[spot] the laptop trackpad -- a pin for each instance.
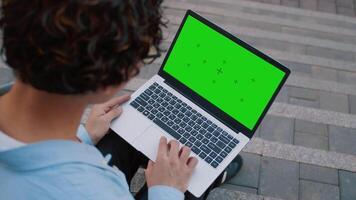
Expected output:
(148, 142)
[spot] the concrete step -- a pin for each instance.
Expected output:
(207, 9)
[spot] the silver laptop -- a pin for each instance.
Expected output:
(210, 94)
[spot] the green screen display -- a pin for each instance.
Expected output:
(227, 75)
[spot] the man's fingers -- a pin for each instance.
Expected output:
(192, 162)
(116, 101)
(174, 150)
(184, 154)
(149, 167)
(162, 148)
(112, 114)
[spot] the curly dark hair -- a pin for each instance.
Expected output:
(78, 46)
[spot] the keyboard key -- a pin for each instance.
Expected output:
(171, 117)
(175, 127)
(167, 129)
(224, 133)
(219, 129)
(214, 126)
(144, 96)
(197, 143)
(183, 140)
(214, 164)
(151, 101)
(177, 120)
(186, 135)
(205, 149)
(200, 137)
(228, 149)
(232, 144)
(205, 125)
(148, 92)
(189, 144)
(150, 116)
(214, 147)
(208, 135)
(140, 109)
(156, 105)
(224, 139)
(181, 131)
(134, 104)
(202, 155)
(164, 119)
(186, 119)
(192, 139)
(164, 104)
(175, 111)
(202, 131)
(182, 124)
(214, 139)
(236, 141)
(208, 159)
(220, 144)
(155, 96)
(230, 137)
(210, 129)
(196, 150)
(219, 159)
(193, 117)
(223, 154)
(213, 154)
(194, 132)
(149, 107)
(216, 134)
(205, 141)
(141, 101)
(199, 121)
(170, 123)
(191, 123)
(188, 128)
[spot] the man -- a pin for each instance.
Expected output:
(66, 55)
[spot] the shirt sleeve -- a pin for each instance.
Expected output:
(83, 135)
(161, 192)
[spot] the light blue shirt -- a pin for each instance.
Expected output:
(62, 169)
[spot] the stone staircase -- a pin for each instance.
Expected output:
(305, 147)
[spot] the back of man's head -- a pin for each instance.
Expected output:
(78, 46)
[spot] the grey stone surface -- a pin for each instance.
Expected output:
(309, 4)
(318, 191)
(334, 102)
(250, 171)
(279, 178)
(290, 3)
(239, 188)
(226, 194)
(313, 115)
(305, 155)
(342, 140)
(345, 3)
(304, 102)
(277, 129)
(330, 53)
(352, 100)
(283, 95)
(319, 174)
(348, 11)
(311, 127)
(303, 93)
(325, 6)
(324, 73)
(347, 185)
(347, 77)
(297, 67)
(311, 141)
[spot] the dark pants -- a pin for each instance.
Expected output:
(128, 160)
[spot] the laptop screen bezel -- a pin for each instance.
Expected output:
(201, 101)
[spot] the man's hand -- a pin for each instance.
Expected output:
(101, 116)
(173, 166)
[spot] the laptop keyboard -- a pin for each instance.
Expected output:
(189, 127)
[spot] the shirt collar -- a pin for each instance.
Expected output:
(50, 153)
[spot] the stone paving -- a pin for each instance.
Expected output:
(305, 147)
(342, 7)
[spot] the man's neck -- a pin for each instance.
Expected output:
(30, 115)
